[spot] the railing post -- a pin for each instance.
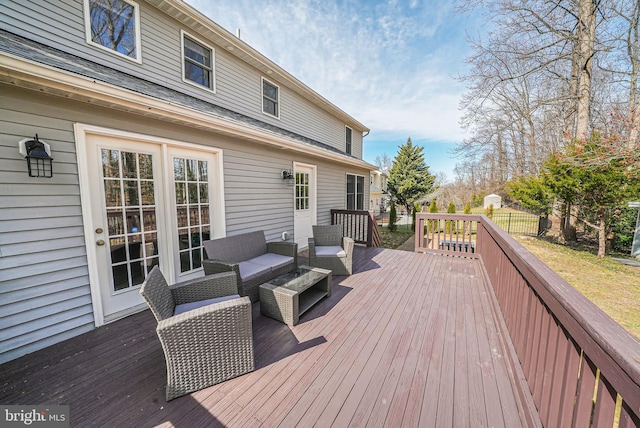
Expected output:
(370, 220)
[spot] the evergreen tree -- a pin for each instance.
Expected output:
(409, 177)
(579, 177)
(433, 209)
(451, 209)
(393, 217)
(595, 187)
(489, 211)
(416, 209)
(532, 192)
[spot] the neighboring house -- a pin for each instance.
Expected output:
(165, 130)
(379, 199)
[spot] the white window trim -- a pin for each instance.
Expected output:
(262, 80)
(350, 151)
(213, 62)
(346, 202)
(87, 31)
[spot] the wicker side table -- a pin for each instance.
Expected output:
(288, 296)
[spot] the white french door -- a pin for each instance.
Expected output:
(146, 202)
(304, 203)
(191, 196)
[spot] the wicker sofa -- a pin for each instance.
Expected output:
(205, 329)
(253, 260)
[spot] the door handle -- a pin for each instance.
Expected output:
(99, 242)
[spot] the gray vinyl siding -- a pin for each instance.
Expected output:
(332, 193)
(60, 23)
(45, 295)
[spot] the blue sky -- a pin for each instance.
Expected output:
(389, 64)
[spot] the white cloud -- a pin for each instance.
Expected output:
(388, 64)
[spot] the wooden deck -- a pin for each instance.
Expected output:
(408, 340)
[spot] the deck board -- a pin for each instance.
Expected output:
(409, 339)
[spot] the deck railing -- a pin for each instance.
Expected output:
(582, 368)
(361, 226)
(446, 234)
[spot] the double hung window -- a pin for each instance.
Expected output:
(347, 138)
(198, 62)
(114, 25)
(270, 98)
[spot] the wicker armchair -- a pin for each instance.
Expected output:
(204, 328)
(329, 249)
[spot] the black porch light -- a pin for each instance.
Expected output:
(38, 156)
(288, 176)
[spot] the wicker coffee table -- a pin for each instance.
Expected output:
(288, 296)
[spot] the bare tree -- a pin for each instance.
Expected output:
(383, 162)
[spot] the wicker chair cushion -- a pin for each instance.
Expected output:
(273, 260)
(195, 305)
(249, 270)
(330, 251)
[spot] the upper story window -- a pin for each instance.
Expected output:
(270, 98)
(114, 25)
(347, 138)
(355, 192)
(198, 62)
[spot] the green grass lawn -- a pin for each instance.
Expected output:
(612, 286)
(396, 238)
(518, 222)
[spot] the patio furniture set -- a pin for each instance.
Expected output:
(205, 324)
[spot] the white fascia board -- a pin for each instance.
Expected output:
(30, 74)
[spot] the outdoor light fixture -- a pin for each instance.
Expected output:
(288, 175)
(38, 155)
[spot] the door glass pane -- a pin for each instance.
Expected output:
(112, 193)
(181, 193)
(110, 163)
(192, 209)
(146, 166)
(204, 173)
(146, 190)
(204, 193)
(302, 191)
(129, 165)
(178, 169)
(131, 192)
(131, 216)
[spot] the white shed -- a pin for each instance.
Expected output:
(494, 199)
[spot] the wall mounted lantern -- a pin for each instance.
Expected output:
(38, 155)
(288, 176)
